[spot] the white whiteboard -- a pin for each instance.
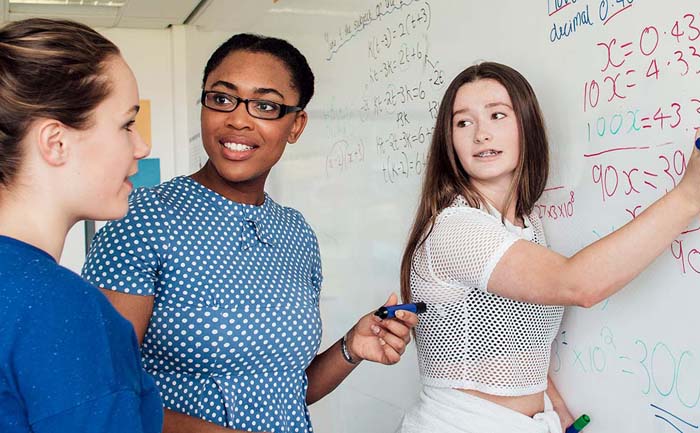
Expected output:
(633, 362)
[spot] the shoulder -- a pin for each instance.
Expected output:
(289, 227)
(290, 217)
(33, 282)
(535, 220)
(54, 307)
(465, 228)
(57, 296)
(67, 324)
(149, 214)
(538, 229)
(160, 197)
(461, 213)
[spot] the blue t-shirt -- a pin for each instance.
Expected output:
(235, 318)
(68, 361)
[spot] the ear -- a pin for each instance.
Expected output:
(51, 141)
(297, 127)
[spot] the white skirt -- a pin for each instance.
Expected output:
(447, 410)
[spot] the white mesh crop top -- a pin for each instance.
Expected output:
(469, 338)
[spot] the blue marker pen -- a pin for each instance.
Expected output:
(390, 311)
(697, 143)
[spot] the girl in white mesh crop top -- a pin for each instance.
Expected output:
(477, 257)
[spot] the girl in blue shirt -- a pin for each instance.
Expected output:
(221, 283)
(68, 361)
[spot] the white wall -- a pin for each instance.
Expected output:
(150, 55)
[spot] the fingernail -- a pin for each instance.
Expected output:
(400, 314)
(382, 342)
(375, 329)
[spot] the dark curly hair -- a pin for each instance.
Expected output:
(302, 76)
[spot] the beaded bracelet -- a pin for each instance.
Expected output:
(344, 351)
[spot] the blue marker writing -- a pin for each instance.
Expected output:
(388, 312)
(579, 424)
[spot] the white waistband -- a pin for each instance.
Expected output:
(447, 410)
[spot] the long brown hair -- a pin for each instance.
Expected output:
(51, 69)
(445, 178)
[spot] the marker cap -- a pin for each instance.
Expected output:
(389, 312)
(582, 422)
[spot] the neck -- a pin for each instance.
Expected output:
(497, 195)
(34, 221)
(247, 192)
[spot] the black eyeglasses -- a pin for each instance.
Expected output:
(258, 108)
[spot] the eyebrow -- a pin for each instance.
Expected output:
(135, 109)
(256, 90)
(489, 105)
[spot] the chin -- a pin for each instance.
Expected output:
(111, 213)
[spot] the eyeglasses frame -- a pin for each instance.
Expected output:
(284, 109)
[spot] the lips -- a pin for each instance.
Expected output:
(237, 148)
(237, 143)
(487, 153)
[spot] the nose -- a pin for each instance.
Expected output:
(239, 118)
(482, 135)
(141, 148)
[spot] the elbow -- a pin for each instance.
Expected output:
(585, 297)
(585, 301)
(580, 296)
(581, 288)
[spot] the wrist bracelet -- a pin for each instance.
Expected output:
(344, 351)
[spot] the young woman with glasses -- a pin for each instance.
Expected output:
(68, 361)
(220, 282)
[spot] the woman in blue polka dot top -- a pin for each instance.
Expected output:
(220, 282)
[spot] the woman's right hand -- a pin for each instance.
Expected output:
(689, 186)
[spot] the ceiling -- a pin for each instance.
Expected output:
(224, 15)
(149, 14)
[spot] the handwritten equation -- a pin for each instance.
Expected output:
(336, 40)
(400, 94)
(655, 368)
(655, 53)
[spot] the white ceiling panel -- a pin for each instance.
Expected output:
(264, 16)
(95, 22)
(148, 14)
(258, 16)
(145, 22)
(161, 9)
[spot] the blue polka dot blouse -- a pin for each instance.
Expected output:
(236, 318)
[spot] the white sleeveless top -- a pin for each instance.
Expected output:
(469, 338)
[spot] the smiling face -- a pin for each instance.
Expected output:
(107, 152)
(241, 148)
(485, 134)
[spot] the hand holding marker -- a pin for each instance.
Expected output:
(579, 424)
(388, 312)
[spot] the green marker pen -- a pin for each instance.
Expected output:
(579, 424)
